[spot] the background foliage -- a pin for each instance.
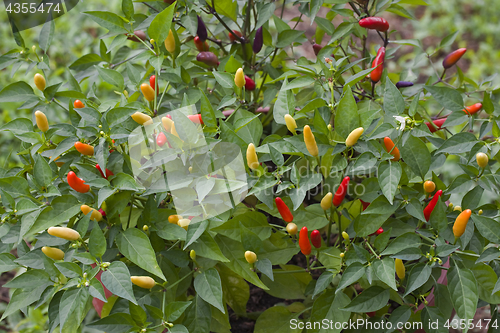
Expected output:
(205, 291)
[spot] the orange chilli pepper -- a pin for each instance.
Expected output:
(389, 145)
(84, 148)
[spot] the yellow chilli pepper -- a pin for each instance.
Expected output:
(64, 233)
(482, 160)
(141, 118)
(310, 141)
(40, 82)
(250, 257)
(252, 159)
(239, 78)
(95, 216)
(170, 42)
(167, 123)
(41, 121)
(291, 228)
(145, 282)
(192, 254)
(354, 136)
(53, 253)
(290, 123)
(184, 223)
(174, 219)
(174, 131)
(148, 92)
(461, 223)
(400, 268)
(326, 202)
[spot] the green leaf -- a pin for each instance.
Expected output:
(15, 186)
(346, 118)
(226, 80)
(60, 210)
(69, 269)
(416, 154)
(374, 216)
(112, 77)
(389, 175)
(438, 218)
(117, 279)
(160, 26)
(394, 103)
(486, 282)
(284, 104)
(351, 275)
(235, 252)
(371, 299)
(198, 316)
(135, 246)
(288, 37)
(385, 271)
(209, 288)
(86, 62)
(22, 298)
(462, 286)
(108, 20)
(47, 35)
(449, 98)
(323, 282)
(115, 323)
(402, 242)
(7, 262)
(487, 227)
(175, 309)
(458, 144)
(227, 8)
(419, 275)
(42, 171)
(287, 285)
(236, 290)
(73, 308)
(16, 92)
(29, 280)
(97, 241)
(276, 319)
(128, 8)
(207, 247)
(329, 306)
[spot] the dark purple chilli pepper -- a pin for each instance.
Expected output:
(258, 41)
(202, 30)
(404, 84)
(208, 58)
(356, 99)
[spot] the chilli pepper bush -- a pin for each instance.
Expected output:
(392, 176)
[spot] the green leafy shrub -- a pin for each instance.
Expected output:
(334, 146)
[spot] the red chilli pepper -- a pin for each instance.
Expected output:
(196, 118)
(378, 65)
(109, 173)
(375, 23)
(438, 123)
(430, 207)
(305, 245)
(77, 183)
(452, 58)
(249, 84)
(341, 191)
(365, 204)
(316, 239)
(152, 82)
(284, 210)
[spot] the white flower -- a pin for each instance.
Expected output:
(402, 122)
